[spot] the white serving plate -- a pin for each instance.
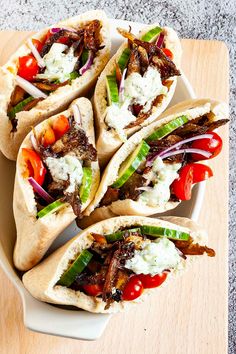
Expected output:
(46, 318)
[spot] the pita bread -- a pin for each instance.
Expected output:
(107, 140)
(57, 100)
(94, 213)
(34, 236)
(41, 281)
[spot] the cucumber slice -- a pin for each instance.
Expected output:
(51, 208)
(119, 234)
(130, 165)
(74, 75)
(86, 184)
(76, 268)
(84, 56)
(19, 107)
(151, 35)
(112, 89)
(167, 128)
(124, 58)
(164, 232)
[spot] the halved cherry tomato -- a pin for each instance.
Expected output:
(93, 289)
(149, 281)
(133, 289)
(38, 45)
(200, 172)
(35, 165)
(188, 175)
(182, 186)
(28, 67)
(213, 145)
(48, 137)
(168, 53)
(60, 126)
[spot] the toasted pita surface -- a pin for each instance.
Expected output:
(41, 281)
(107, 140)
(192, 109)
(57, 100)
(34, 236)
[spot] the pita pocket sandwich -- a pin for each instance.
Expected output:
(47, 72)
(113, 264)
(157, 167)
(57, 175)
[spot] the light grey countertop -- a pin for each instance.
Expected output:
(191, 19)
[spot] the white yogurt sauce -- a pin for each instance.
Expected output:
(154, 257)
(64, 168)
(58, 64)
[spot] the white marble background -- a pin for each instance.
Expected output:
(192, 19)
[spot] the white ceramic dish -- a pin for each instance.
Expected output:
(42, 317)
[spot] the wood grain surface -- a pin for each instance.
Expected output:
(189, 316)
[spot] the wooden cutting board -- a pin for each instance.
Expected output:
(189, 316)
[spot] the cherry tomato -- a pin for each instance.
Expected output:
(60, 126)
(28, 67)
(93, 289)
(168, 53)
(182, 186)
(133, 288)
(213, 145)
(38, 45)
(48, 137)
(149, 281)
(200, 172)
(35, 165)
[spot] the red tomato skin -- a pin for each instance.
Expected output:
(93, 289)
(149, 281)
(48, 137)
(28, 67)
(35, 165)
(182, 186)
(133, 289)
(61, 126)
(168, 53)
(38, 44)
(201, 172)
(213, 145)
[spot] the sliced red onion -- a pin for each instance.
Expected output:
(88, 63)
(76, 113)
(185, 141)
(36, 54)
(34, 142)
(160, 40)
(29, 88)
(58, 29)
(40, 191)
(187, 151)
(122, 86)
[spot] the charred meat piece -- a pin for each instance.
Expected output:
(75, 140)
(55, 189)
(74, 200)
(17, 96)
(214, 125)
(48, 86)
(134, 63)
(144, 61)
(72, 36)
(165, 66)
(92, 36)
(123, 252)
(130, 190)
(190, 248)
(111, 195)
